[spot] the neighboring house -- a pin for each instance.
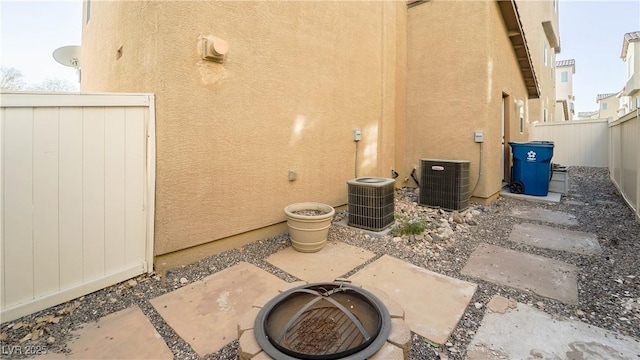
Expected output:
(564, 89)
(608, 105)
(540, 24)
(631, 56)
(588, 115)
(298, 78)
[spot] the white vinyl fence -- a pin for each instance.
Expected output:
(77, 193)
(576, 143)
(624, 135)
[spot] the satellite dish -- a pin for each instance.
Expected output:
(68, 56)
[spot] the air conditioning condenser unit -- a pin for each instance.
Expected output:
(371, 202)
(444, 183)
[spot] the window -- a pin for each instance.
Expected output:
(604, 106)
(545, 53)
(544, 115)
(564, 76)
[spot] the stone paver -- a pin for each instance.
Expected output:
(126, 334)
(333, 261)
(248, 346)
(500, 304)
(553, 238)
(248, 320)
(433, 303)
(262, 356)
(546, 277)
(395, 310)
(554, 217)
(388, 352)
(206, 313)
(528, 333)
(551, 197)
(400, 336)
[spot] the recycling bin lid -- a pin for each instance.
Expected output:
(532, 143)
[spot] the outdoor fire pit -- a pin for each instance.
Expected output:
(327, 320)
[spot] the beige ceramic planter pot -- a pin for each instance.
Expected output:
(309, 224)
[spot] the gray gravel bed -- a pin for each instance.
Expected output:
(608, 283)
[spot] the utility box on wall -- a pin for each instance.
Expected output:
(444, 183)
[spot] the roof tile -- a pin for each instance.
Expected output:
(632, 36)
(568, 62)
(628, 38)
(604, 96)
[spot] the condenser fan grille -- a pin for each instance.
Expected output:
(371, 204)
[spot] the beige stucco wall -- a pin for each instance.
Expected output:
(298, 78)
(532, 14)
(559, 116)
(475, 53)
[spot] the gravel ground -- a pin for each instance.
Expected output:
(608, 283)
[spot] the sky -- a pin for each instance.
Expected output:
(591, 32)
(29, 33)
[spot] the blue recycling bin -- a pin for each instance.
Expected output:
(531, 171)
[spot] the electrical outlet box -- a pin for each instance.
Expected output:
(357, 135)
(478, 136)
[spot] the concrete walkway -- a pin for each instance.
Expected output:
(546, 277)
(524, 332)
(207, 314)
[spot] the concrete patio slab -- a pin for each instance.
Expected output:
(206, 313)
(546, 277)
(126, 334)
(333, 261)
(552, 197)
(433, 303)
(554, 217)
(553, 238)
(528, 333)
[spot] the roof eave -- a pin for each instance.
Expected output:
(552, 35)
(512, 21)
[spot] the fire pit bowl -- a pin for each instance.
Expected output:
(329, 320)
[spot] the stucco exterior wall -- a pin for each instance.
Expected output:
(532, 15)
(298, 78)
(475, 53)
